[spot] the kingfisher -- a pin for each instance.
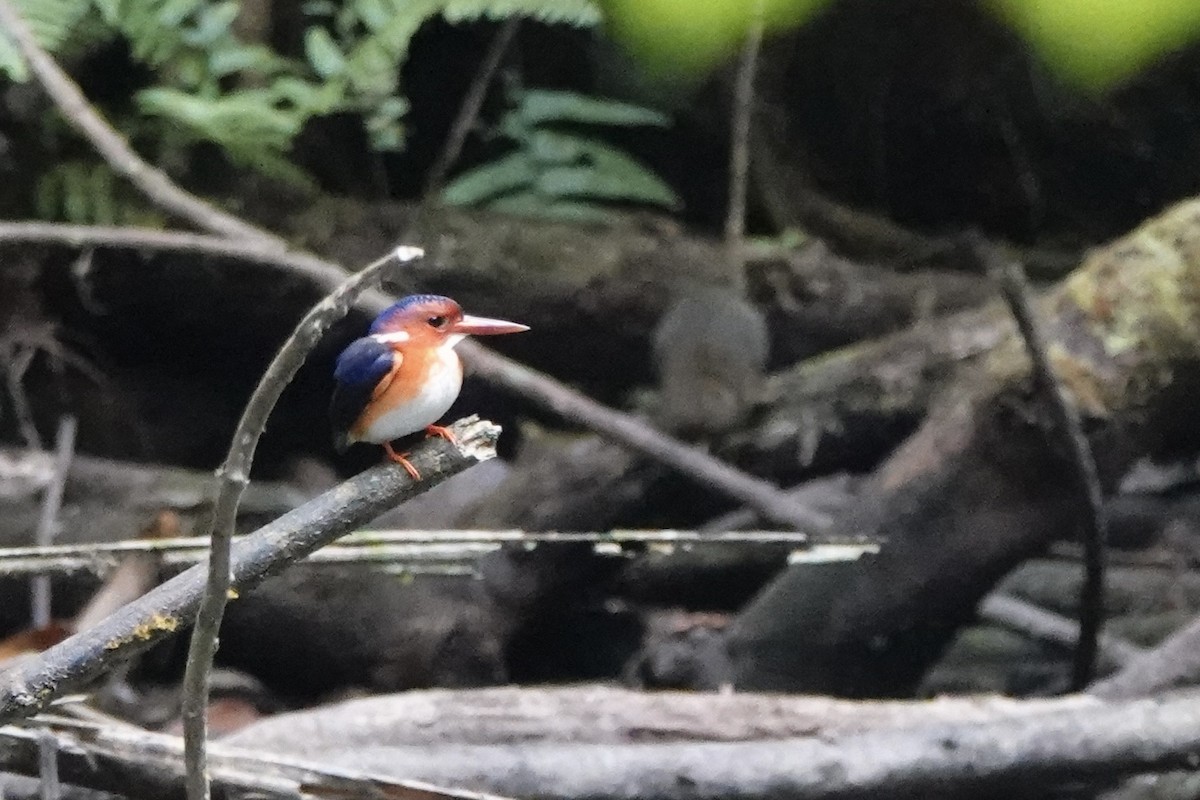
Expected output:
(404, 374)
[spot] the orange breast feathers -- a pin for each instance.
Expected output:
(420, 387)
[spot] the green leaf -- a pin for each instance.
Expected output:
(50, 21)
(552, 148)
(580, 13)
(12, 64)
(232, 57)
(607, 174)
(541, 106)
(487, 181)
(213, 23)
(532, 204)
(375, 14)
(238, 119)
(384, 125)
(252, 128)
(110, 10)
(172, 13)
(323, 53)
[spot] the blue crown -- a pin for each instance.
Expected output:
(402, 305)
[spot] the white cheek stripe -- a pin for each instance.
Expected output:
(395, 337)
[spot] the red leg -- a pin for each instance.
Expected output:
(445, 433)
(402, 460)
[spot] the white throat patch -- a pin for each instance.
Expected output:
(395, 337)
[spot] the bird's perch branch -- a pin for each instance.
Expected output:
(159, 614)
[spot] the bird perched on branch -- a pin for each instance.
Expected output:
(404, 374)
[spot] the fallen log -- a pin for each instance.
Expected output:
(979, 487)
(609, 743)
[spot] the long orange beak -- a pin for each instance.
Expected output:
(482, 326)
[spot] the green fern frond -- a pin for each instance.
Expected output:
(255, 127)
(559, 173)
(51, 22)
(88, 193)
(372, 63)
(488, 181)
(534, 204)
(605, 173)
(542, 106)
(580, 13)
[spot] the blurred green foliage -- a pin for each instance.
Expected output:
(1093, 44)
(252, 102)
(686, 39)
(1097, 44)
(558, 169)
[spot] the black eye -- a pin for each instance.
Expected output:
(437, 322)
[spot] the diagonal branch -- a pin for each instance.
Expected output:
(468, 110)
(159, 614)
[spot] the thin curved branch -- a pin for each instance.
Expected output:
(233, 475)
(1015, 287)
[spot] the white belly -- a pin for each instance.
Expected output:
(425, 408)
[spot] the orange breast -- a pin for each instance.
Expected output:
(418, 390)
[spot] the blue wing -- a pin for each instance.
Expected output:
(359, 369)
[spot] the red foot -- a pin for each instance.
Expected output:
(402, 460)
(445, 433)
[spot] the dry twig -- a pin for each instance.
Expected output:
(412, 550)
(233, 475)
(468, 110)
(64, 450)
(1070, 427)
(1039, 623)
(162, 612)
(955, 747)
(739, 151)
(1175, 661)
